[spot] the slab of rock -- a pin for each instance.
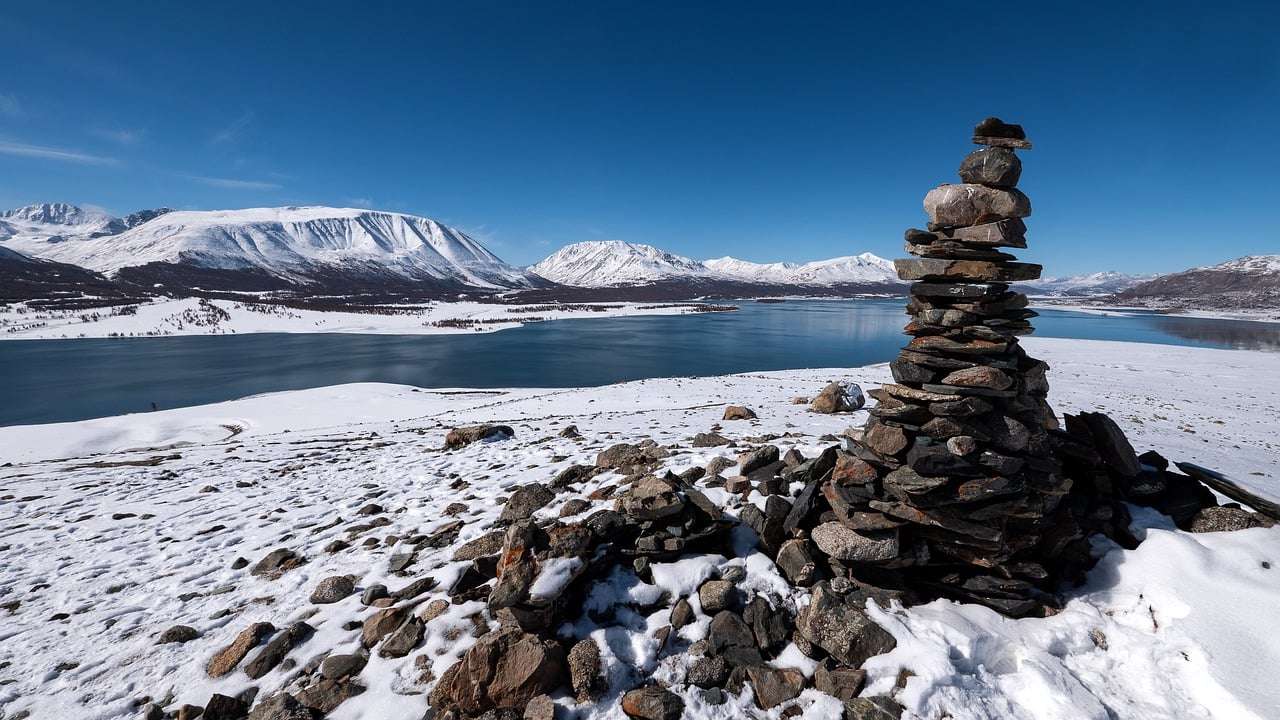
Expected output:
(774, 686)
(841, 683)
(968, 204)
(652, 499)
(228, 657)
(758, 458)
(653, 703)
(270, 656)
(337, 667)
(796, 562)
(277, 562)
(403, 639)
(333, 589)
(525, 501)
(504, 670)
(843, 543)
(380, 624)
(842, 628)
(483, 546)
(463, 436)
(939, 269)
(224, 707)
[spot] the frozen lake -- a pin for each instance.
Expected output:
(58, 380)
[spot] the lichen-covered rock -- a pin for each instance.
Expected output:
(653, 703)
(505, 669)
(842, 629)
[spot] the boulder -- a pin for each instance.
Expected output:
(774, 686)
(838, 397)
(738, 412)
(276, 563)
(969, 204)
(584, 670)
(716, 595)
(274, 652)
(281, 706)
(653, 703)
(525, 501)
(651, 499)
(836, 625)
(178, 634)
(1225, 519)
(992, 166)
(463, 436)
(758, 458)
(504, 670)
(796, 562)
(332, 589)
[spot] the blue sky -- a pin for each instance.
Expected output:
(789, 131)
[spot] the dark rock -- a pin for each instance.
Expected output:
(505, 669)
(178, 634)
(995, 127)
(716, 595)
(380, 624)
(373, 593)
(525, 501)
(281, 706)
(326, 695)
(651, 499)
(969, 204)
(732, 639)
(333, 589)
(841, 683)
(771, 628)
(941, 269)
(774, 686)
(270, 656)
(795, 559)
(487, 544)
(584, 670)
(338, 667)
(277, 562)
(705, 440)
(224, 707)
(652, 703)
(993, 166)
(1111, 443)
(403, 640)
(228, 657)
(832, 623)
(463, 436)
(708, 671)
(758, 458)
(872, 708)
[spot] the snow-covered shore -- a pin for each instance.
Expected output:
(190, 316)
(1260, 315)
(129, 525)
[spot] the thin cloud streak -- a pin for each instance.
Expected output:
(120, 137)
(53, 153)
(233, 183)
(232, 132)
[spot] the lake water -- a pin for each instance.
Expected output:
(56, 380)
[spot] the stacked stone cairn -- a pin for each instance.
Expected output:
(955, 488)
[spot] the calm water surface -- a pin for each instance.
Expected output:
(56, 380)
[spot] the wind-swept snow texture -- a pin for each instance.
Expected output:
(110, 537)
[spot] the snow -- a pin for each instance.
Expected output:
(604, 263)
(612, 262)
(863, 268)
(1185, 625)
(191, 316)
(289, 242)
(1098, 283)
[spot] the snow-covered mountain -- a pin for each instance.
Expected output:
(614, 263)
(1099, 283)
(1248, 279)
(302, 246)
(607, 263)
(864, 268)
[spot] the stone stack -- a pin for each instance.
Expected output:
(955, 488)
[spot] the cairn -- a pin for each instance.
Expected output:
(955, 483)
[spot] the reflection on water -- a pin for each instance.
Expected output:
(54, 380)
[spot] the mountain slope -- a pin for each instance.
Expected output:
(1250, 274)
(864, 268)
(318, 248)
(51, 283)
(607, 263)
(1099, 283)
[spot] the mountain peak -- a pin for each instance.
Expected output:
(57, 213)
(603, 263)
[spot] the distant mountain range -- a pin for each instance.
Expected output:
(58, 251)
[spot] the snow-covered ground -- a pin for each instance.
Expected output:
(191, 316)
(113, 530)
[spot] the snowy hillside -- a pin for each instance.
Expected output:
(293, 244)
(1099, 283)
(1250, 282)
(45, 222)
(616, 263)
(864, 268)
(606, 263)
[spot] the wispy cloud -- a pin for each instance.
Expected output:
(9, 106)
(53, 153)
(119, 136)
(234, 183)
(232, 132)
(360, 202)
